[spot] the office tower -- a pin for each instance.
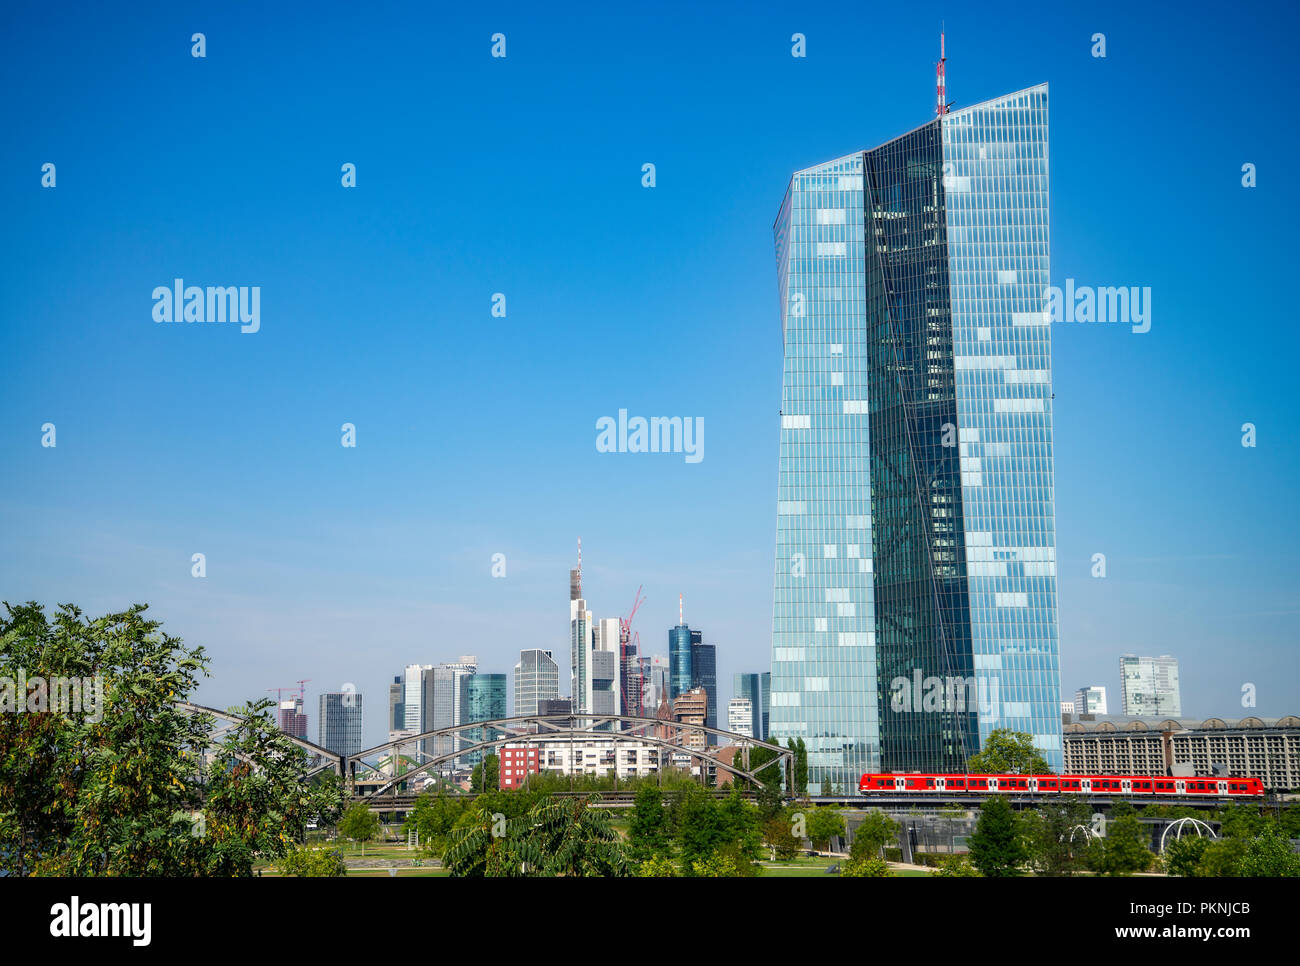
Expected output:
(1067, 707)
(396, 707)
(654, 683)
(606, 681)
(740, 717)
(704, 674)
(291, 717)
(755, 688)
(679, 660)
(555, 706)
(450, 703)
(631, 685)
(581, 637)
(1091, 700)
(1149, 686)
(485, 700)
(691, 707)
(915, 515)
(339, 725)
(537, 677)
(417, 706)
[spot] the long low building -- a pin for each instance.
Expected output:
(626, 757)
(1263, 748)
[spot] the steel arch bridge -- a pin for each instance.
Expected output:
(464, 740)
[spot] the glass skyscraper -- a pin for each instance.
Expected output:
(915, 582)
(485, 700)
(340, 722)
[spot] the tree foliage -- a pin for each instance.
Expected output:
(126, 789)
(1123, 851)
(996, 848)
(557, 837)
(873, 834)
(823, 825)
(1008, 752)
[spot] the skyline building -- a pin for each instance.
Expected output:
(654, 683)
(915, 507)
(756, 688)
(606, 677)
(291, 717)
(396, 707)
(1149, 686)
(1090, 700)
(679, 660)
(581, 638)
(485, 700)
(740, 717)
(339, 724)
(537, 678)
(451, 703)
(704, 674)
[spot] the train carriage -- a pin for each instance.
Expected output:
(1121, 785)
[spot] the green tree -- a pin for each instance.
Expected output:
(1183, 856)
(1238, 820)
(1123, 851)
(956, 866)
(359, 824)
(770, 779)
(125, 786)
(699, 825)
(875, 832)
(557, 837)
(996, 848)
(1008, 752)
(433, 818)
(740, 827)
(657, 867)
(779, 837)
(316, 863)
(823, 825)
(725, 863)
(1222, 859)
(1049, 840)
(1271, 855)
(486, 776)
(1289, 821)
(799, 768)
(649, 832)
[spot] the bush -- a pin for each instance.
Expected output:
(866, 869)
(954, 866)
(657, 867)
(315, 863)
(893, 854)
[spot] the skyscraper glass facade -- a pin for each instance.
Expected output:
(704, 674)
(485, 700)
(915, 533)
(679, 660)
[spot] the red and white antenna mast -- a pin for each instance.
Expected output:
(680, 619)
(941, 104)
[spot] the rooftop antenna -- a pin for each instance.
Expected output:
(580, 564)
(941, 104)
(680, 619)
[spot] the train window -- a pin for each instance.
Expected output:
(929, 783)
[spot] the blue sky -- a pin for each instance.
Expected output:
(523, 176)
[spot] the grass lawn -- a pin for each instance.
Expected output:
(817, 865)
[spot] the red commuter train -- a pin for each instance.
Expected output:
(1154, 785)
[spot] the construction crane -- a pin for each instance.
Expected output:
(628, 647)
